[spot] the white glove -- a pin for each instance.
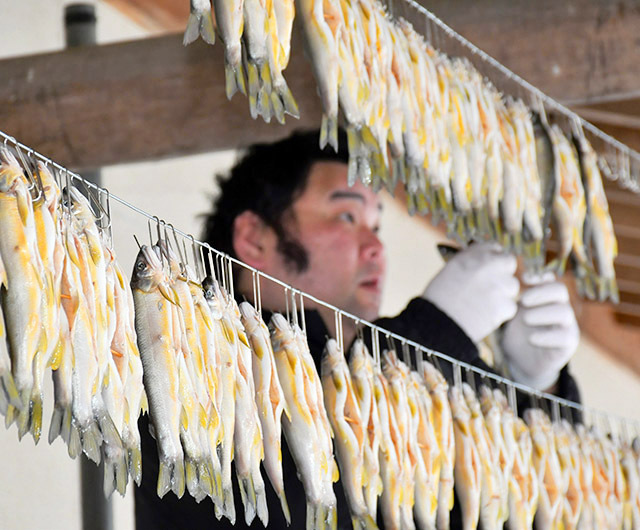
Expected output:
(477, 289)
(544, 334)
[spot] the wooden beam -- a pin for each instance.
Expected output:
(574, 51)
(158, 16)
(147, 99)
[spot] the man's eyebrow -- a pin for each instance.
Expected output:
(344, 194)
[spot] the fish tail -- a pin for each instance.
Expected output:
(248, 495)
(310, 520)
(23, 417)
(164, 479)
(91, 442)
(329, 132)
(332, 517)
(109, 477)
(363, 522)
(135, 464)
(109, 431)
(320, 517)
(285, 506)
(254, 88)
(608, 288)
(192, 30)
(261, 500)
(230, 78)
(192, 477)
(205, 478)
(74, 445)
(4, 402)
(207, 32)
(10, 389)
(264, 104)
(11, 415)
(121, 474)
(289, 102)
(229, 507)
(55, 427)
(178, 478)
(36, 416)
(277, 107)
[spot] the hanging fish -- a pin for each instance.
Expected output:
(344, 416)
(153, 300)
(598, 231)
(361, 367)
(200, 23)
(300, 429)
(468, 474)
(443, 425)
(229, 21)
(269, 397)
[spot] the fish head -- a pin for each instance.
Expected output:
(11, 174)
(50, 186)
(333, 360)
(281, 331)
(165, 250)
(147, 271)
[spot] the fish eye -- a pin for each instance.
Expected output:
(141, 266)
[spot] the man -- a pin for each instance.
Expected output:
(287, 210)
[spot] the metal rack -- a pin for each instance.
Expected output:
(222, 263)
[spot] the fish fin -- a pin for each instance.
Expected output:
(329, 132)
(363, 522)
(248, 496)
(109, 431)
(144, 403)
(24, 416)
(285, 507)
(178, 478)
(135, 464)
(608, 288)
(74, 446)
(4, 402)
(277, 107)
(207, 31)
(264, 105)
(91, 442)
(253, 80)
(122, 475)
(289, 102)
(229, 507)
(311, 517)
(205, 478)
(184, 418)
(10, 416)
(192, 30)
(10, 389)
(191, 477)
(55, 427)
(108, 477)
(164, 479)
(263, 511)
(56, 356)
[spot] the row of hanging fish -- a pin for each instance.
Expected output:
(256, 36)
(218, 383)
(485, 164)
(65, 305)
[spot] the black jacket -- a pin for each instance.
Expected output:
(421, 322)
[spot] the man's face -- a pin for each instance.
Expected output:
(337, 225)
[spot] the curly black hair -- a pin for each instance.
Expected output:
(266, 181)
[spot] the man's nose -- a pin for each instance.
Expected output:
(372, 247)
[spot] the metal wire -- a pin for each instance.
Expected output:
(292, 292)
(619, 154)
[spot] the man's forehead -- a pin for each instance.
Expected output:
(329, 179)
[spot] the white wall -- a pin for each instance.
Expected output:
(39, 486)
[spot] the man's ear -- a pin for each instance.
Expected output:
(250, 235)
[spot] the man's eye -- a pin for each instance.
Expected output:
(348, 217)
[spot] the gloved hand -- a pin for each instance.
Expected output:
(477, 289)
(544, 334)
